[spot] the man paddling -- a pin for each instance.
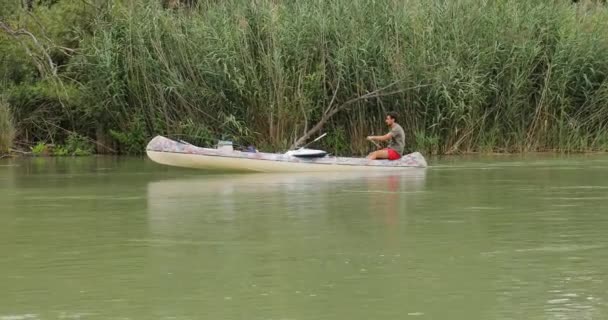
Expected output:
(396, 144)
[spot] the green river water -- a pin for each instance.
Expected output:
(124, 238)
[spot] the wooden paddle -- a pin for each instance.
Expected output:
(315, 140)
(375, 143)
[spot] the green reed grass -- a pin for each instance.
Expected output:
(489, 76)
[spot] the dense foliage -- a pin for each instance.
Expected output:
(465, 75)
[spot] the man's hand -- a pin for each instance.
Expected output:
(370, 138)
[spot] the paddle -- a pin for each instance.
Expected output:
(375, 143)
(315, 140)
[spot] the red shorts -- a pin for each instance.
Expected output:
(392, 154)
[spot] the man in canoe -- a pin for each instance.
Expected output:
(396, 138)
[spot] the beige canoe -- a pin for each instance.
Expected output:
(173, 153)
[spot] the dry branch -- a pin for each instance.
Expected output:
(331, 110)
(22, 32)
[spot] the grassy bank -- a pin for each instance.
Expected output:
(466, 76)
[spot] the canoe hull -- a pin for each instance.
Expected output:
(168, 152)
(247, 165)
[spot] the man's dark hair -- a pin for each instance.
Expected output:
(393, 115)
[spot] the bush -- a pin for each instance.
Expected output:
(78, 145)
(60, 151)
(132, 138)
(468, 75)
(75, 145)
(40, 149)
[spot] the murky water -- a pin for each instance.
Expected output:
(103, 238)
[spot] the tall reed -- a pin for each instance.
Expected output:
(470, 75)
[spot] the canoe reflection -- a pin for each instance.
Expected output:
(178, 203)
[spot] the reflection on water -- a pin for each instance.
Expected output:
(174, 201)
(125, 239)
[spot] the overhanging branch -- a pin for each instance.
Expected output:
(22, 32)
(332, 109)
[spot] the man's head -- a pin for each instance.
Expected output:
(391, 118)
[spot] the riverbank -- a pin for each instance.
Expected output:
(48, 153)
(465, 76)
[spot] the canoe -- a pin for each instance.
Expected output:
(169, 152)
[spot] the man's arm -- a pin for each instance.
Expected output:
(385, 137)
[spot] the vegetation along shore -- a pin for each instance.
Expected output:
(85, 76)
